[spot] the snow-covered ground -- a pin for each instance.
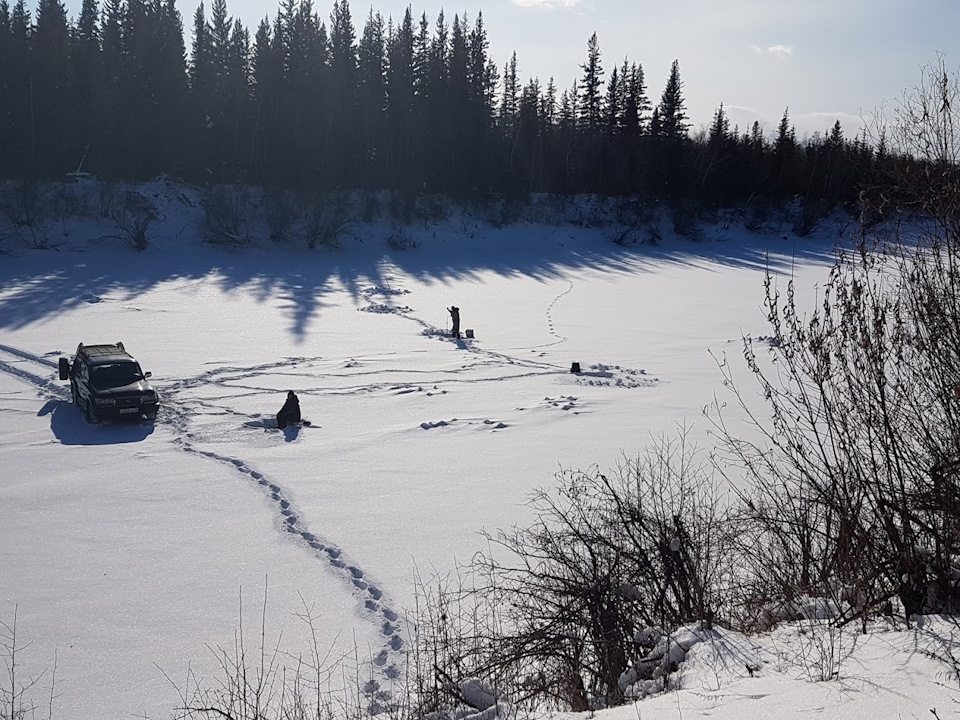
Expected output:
(128, 552)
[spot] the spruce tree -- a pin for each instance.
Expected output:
(53, 144)
(401, 88)
(613, 107)
(719, 134)
(525, 158)
(16, 109)
(87, 82)
(591, 101)
(671, 112)
(635, 103)
(548, 103)
(372, 99)
(342, 150)
(784, 156)
(717, 175)
(510, 96)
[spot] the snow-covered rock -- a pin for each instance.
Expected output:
(483, 702)
(668, 651)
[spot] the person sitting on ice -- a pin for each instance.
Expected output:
(290, 412)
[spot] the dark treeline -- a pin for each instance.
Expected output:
(407, 104)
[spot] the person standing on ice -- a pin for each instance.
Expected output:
(455, 314)
(290, 412)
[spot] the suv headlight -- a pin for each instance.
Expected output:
(148, 398)
(105, 401)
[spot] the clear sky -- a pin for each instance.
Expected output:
(824, 59)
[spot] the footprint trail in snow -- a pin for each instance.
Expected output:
(388, 661)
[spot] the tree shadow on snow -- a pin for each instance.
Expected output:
(43, 283)
(70, 428)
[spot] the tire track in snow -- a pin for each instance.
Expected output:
(389, 660)
(14, 367)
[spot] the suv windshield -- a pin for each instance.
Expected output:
(115, 374)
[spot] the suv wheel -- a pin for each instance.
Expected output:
(93, 417)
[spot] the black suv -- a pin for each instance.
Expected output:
(106, 382)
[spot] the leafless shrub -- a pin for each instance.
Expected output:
(631, 211)
(432, 207)
(940, 645)
(259, 680)
(400, 239)
(109, 199)
(70, 199)
(326, 221)
(402, 205)
(133, 215)
(38, 236)
(626, 235)
(821, 650)
(369, 206)
(281, 213)
(226, 208)
(22, 204)
(550, 612)
(922, 135)
(854, 486)
(810, 214)
(686, 221)
(454, 638)
(18, 694)
(135, 229)
(761, 215)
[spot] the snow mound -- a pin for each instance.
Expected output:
(383, 290)
(383, 309)
(481, 702)
(649, 676)
(613, 376)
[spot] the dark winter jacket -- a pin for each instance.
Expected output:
(290, 412)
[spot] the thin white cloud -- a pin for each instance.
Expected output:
(780, 51)
(820, 123)
(547, 3)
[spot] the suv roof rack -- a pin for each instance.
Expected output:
(103, 351)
